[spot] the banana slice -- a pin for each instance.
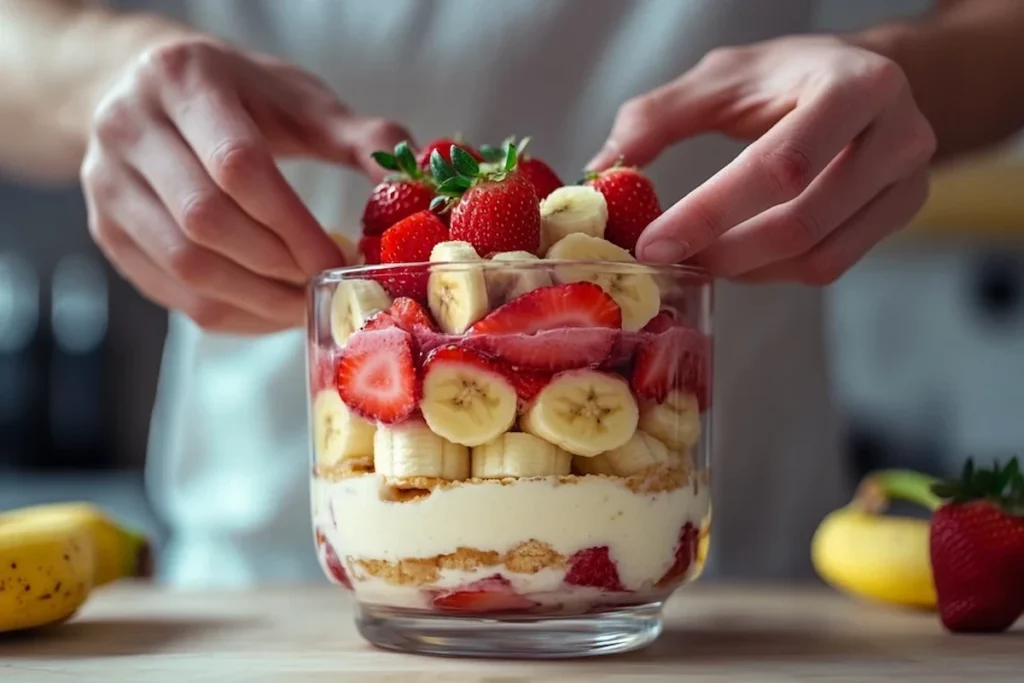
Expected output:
(457, 295)
(675, 421)
(410, 449)
(349, 248)
(338, 434)
(515, 454)
(354, 302)
(505, 284)
(465, 398)
(570, 209)
(585, 412)
(636, 293)
(640, 453)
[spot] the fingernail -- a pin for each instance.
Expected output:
(665, 251)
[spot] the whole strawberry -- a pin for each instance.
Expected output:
(443, 146)
(410, 240)
(977, 549)
(495, 208)
(632, 203)
(541, 176)
(406, 191)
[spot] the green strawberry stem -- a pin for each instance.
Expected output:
(1002, 485)
(455, 178)
(878, 488)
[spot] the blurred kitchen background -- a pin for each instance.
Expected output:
(927, 333)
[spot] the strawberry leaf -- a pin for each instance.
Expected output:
(441, 169)
(406, 160)
(454, 186)
(385, 160)
(492, 154)
(465, 165)
(1003, 485)
(510, 157)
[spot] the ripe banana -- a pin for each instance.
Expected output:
(53, 556)
(410, 449)
(456, 294)
(641, 452)
(634, 290)
(860, 551)
(467, 403)
(339, 435)
(569, 209)
(675, 421)
(584, 412)
(505, 284)
(515, 454)
(354, 302)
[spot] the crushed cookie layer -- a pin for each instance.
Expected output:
(409, 489)
(529, 557)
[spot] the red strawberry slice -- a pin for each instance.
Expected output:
(676, 358)
(333, 563)
(572, 305)
(322, 373)
(493, 594)
(632, 203)
(369, 247)
(686, 553)
(548, 351)
(541, 176)
(411, 316)
(377, 376)
(527, 382)
(594, 567)
(410, 241)
(392, 201)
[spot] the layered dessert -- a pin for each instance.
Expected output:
(516, 425)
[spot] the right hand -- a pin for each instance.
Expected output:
(183, 193)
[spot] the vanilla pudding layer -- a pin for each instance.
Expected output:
(523, 529)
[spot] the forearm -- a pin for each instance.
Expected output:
(57, 57)
(964, 63)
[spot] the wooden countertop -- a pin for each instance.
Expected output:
(138, 634)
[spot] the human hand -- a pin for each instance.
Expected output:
(182, 189)
(839, 159)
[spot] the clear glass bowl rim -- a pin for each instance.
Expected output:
(697, 277)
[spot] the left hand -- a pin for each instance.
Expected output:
(839, 160)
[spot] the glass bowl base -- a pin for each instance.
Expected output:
(615, 631)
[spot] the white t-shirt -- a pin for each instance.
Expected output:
(228, 466)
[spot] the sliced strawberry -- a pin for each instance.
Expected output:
(594, 567)
(686, 552)
(369, 247)
(493, 594)
(676, 358)
(444, 148)
(572, 305)
(528, 383)
(541, 176)
(548, 351)
(322, 373)
(381, 321)
(410, 315)
(333, 563)
(632, 203)
(377, 376)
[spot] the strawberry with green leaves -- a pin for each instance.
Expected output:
(977, 548)
(407, 190)
(541, 176)
(493, 207)
(443, 146)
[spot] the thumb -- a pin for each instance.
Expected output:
(644, 126)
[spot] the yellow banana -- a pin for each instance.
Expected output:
(53, 556)
(884, 558)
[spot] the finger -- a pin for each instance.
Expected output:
(138, 210)
(776, 168)
(239, 161)
(646, 125)
(352, 141)
(207, 216)
(892, 210)
(162, 290)
(900, 142)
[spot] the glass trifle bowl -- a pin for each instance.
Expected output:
(510, 454)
